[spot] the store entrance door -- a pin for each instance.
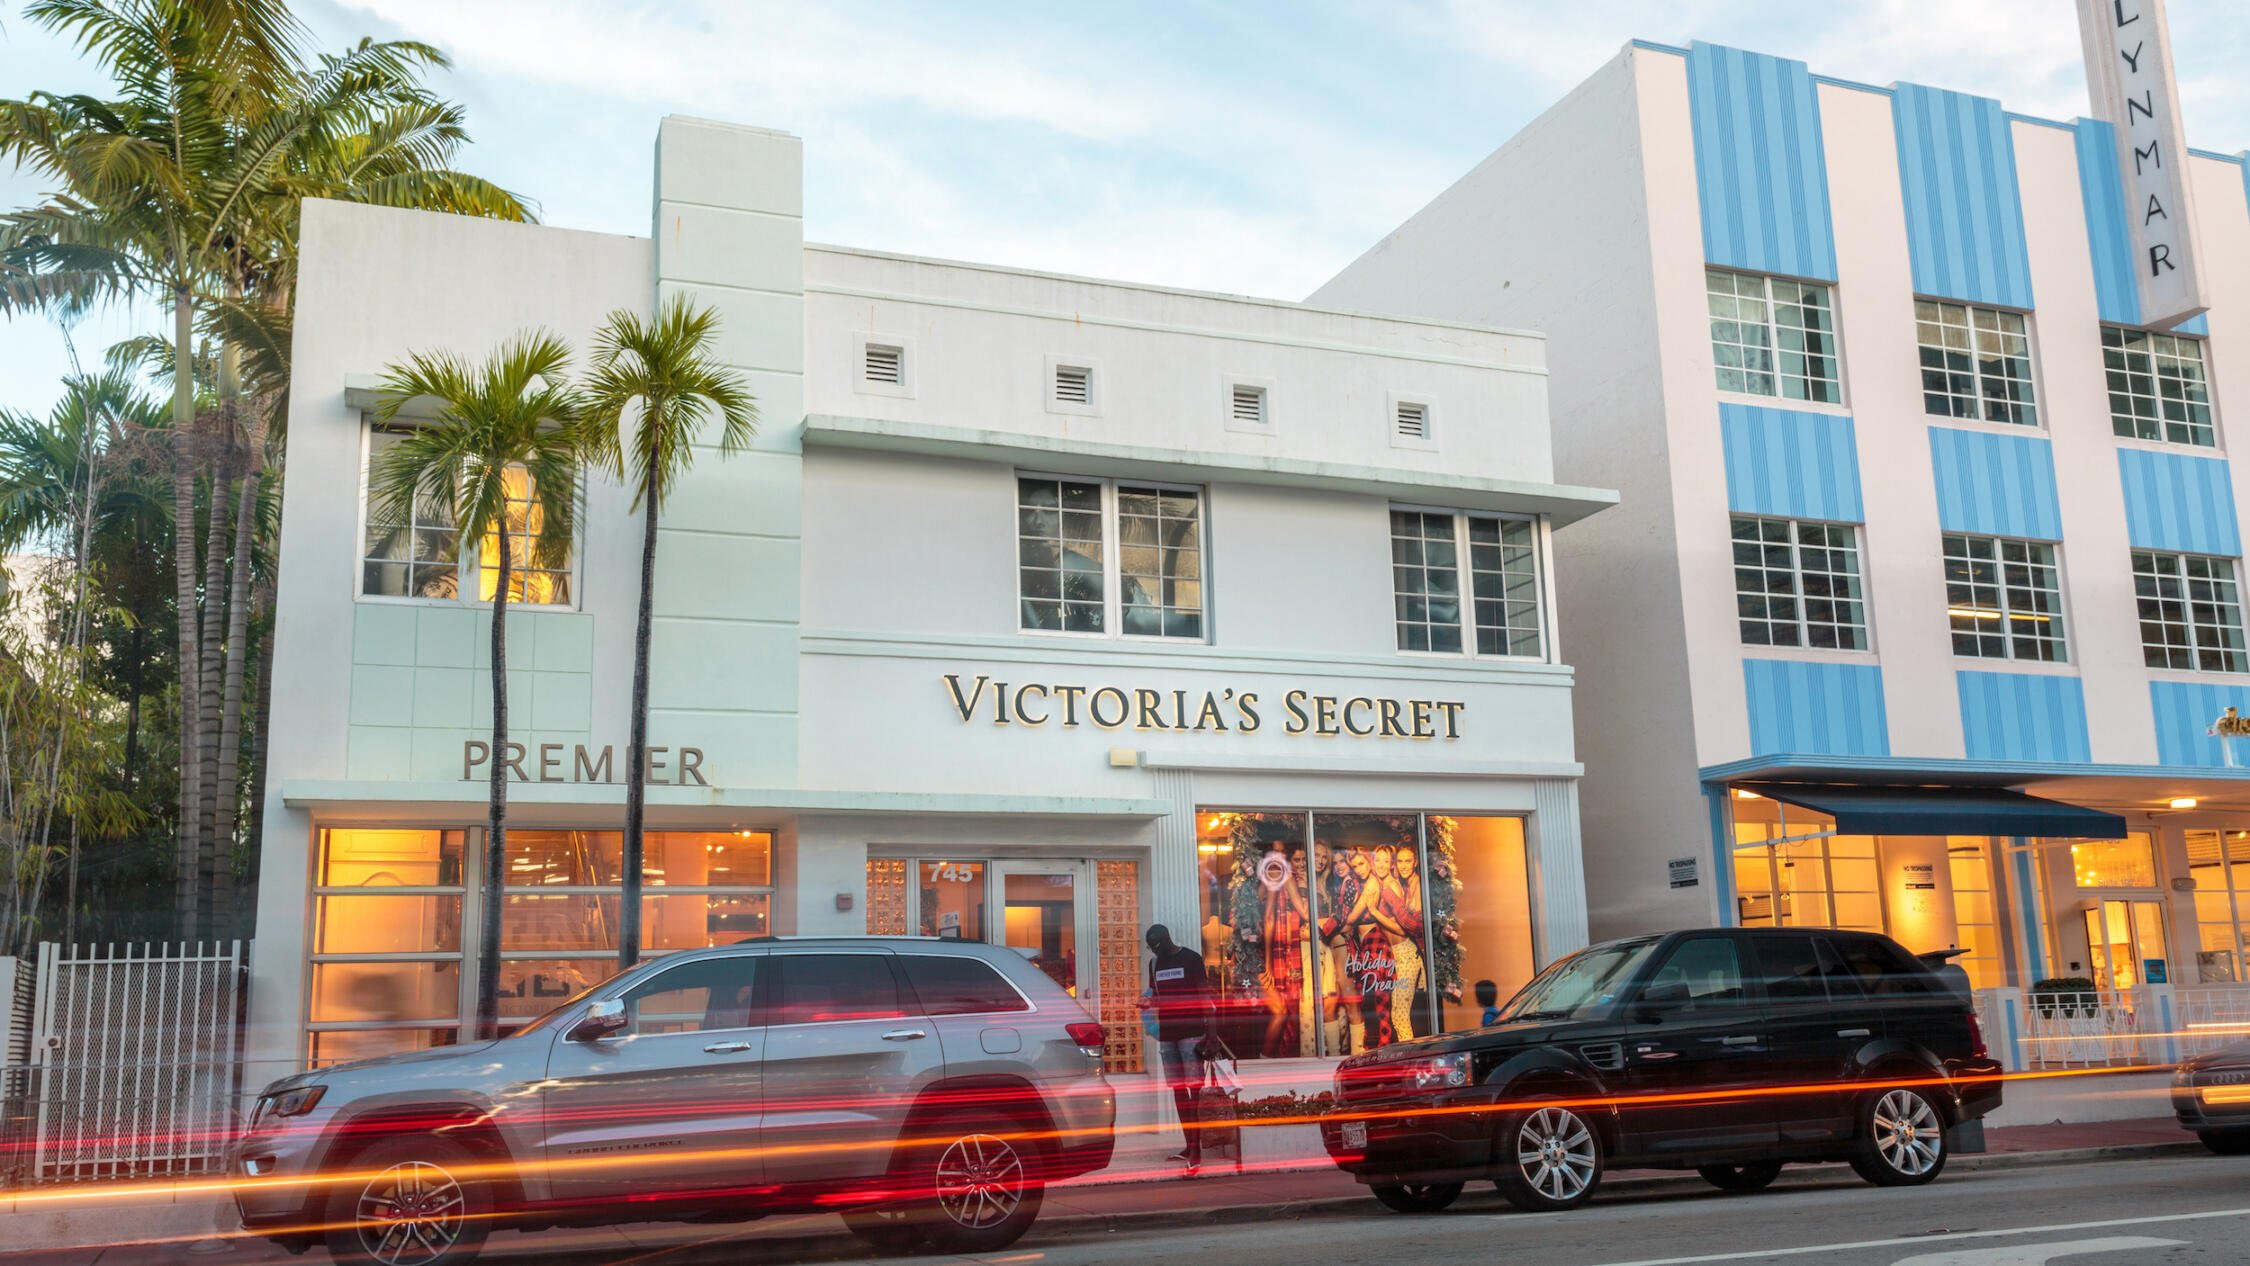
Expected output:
(1046, 915)
(2126, 940)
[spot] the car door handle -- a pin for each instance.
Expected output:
(726, 1048)
(1855, 1032)
(1750, 1040)
(904, 1035)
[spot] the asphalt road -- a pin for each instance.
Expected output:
(2184, 1209)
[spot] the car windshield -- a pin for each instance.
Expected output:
(1579, 984)
(549, 1018)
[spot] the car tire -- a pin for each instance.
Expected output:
(977, 1186)
(1549, 1158)
(888, 1232)
(2226, 1142)
(410, 1202)
(1416, 1197)
(1901, 1139)
(1741, 1180)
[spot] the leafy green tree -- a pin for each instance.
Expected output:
(502, 454)
(655, 385)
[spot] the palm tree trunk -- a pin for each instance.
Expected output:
(496, 821)
(636, 746)
(261, 621)
(207, 675)
(228, 813)
(189, 849)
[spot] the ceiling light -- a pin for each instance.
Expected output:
(2183, 802)
(1742, 793)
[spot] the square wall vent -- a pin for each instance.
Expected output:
(885, 365)
(1074, 384)
(1248, 406)
(1412, 420)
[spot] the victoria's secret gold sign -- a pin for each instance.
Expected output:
(1223, 711)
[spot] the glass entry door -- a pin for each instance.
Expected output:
(1046, 915)
(2126, 938)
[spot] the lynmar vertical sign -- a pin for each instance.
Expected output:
(2129, 74)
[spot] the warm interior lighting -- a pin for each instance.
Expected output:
(1210, 848)
(2183, 802)
(1986, 613)
(1743, 794)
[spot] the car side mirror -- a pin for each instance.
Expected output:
(1658, 999)
(605, 1018)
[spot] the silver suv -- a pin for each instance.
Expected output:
(927, 1089)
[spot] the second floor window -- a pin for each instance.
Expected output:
(1110, 557)
(1772, 337)
(1796, 583)
(414, 556)
(2157, 388)
(2003, 598)
(2191, 612)
(1976, 362)
(1496, 610)
(527, 580)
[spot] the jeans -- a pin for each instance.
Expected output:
(1183, 1071)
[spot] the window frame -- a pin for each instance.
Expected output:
(1773, 348)
(2238, 655)
(2148, 350)
(1982, 398)
(1113, 587)
(1464, 575)
(468, 567)
(1800, 621)
(2060, 615)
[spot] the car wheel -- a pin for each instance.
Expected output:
(2226, 1142)
(1901, 1139)
(979, 1188)
(1550, 1159)
(889, 1232)
(1741, 1179)
(1417, 1197)
(410, 1202)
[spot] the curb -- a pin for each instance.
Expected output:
(1640, 1185)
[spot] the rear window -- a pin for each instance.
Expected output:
(1877, 969)
(959, 986)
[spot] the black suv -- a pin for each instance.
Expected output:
(1725, 1051)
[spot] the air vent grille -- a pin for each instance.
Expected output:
(1607, 1056)
(1250, 406)
(1074, 384)
(885, 365)
(1413, 420)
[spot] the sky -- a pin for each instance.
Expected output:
(1250, 148)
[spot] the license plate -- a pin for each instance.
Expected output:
(1355, 1133)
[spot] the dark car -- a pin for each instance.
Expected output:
(927, 1090)
(1725, 1051)
(2211, 1096)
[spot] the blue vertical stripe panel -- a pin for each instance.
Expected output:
(1995, 485)
(2177, 502)
(1804, 707)
(2023, 717)
(1759, 167)
(2027, 909)
(1964, 217)
(2102, 188)
(1791, 464)
(2184, 713)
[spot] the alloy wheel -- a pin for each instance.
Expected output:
(979, 1180)
(1556, 1153)
(1907, 1133)
(411, 1214)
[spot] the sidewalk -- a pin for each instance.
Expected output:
(1284, 1174)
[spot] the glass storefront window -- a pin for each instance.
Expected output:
(2219, 862)
(952, 899)
(386, 939)
(353, 923)
(2125, 863)
(531, 987)
(1257, 933)
(1372, 924)
(391, 859)
(386, 991)
(1976, 917)
(595, 859)
(588, 921)
(339, 1046)
(1490, 892)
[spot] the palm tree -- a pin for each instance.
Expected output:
(665, 367)
(502, 455)
(185, 188)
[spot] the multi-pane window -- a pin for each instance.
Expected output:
(2003, 598)
(409, 556)
(2157, 388)
(1976, 362)
(1096, 556)
(386, 944)
(1796, 583)
(1498, 614)
(1772, 337)
(528, 579)
(2219, 863)
(2191, 612)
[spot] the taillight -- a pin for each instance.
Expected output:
(1087, 1034)
(1976, 1038)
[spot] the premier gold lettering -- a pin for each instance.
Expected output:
(473, 754)
(545, 762)
(691, 766)
(583, 769)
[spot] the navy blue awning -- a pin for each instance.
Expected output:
(1943, 811)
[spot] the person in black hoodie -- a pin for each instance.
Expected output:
(1180, 994)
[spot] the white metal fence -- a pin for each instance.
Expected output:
(134, 1062)
(2153, 1024)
